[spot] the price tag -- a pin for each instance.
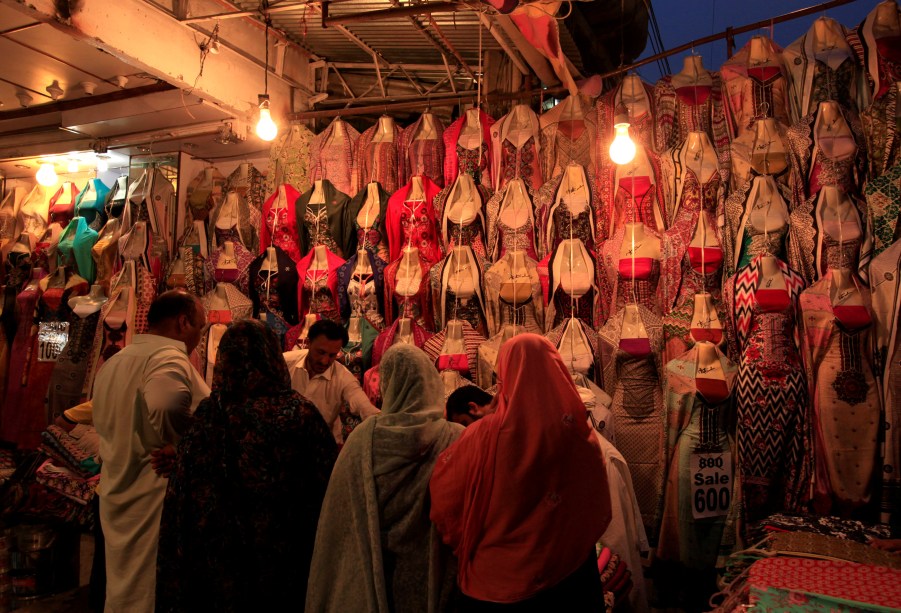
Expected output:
(711, 484)
(52, 337)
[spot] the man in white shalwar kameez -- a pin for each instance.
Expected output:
(144, 399)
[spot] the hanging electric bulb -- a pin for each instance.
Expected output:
(622, 149)
(266, 128)
(72, 167)
(46, 175)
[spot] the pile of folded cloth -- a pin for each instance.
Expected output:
(73, 465)
(616, 578)
(813, 563)
(7, 464)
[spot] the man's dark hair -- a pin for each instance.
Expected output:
(170, 305)
(458, 401)
(329, 329)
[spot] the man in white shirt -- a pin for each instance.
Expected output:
(317, 376)
(144, 400)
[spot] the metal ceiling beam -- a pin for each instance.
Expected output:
(450, 47)
(352, 37)
(59, 60)
(80, 103)
(392, 13)
(494, 30)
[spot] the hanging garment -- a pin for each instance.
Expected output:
(333, 159)
(317, 290)
(205, 192)
(15, 424)
(233, 214)
(515, 139)
(562, 303)
(413, 222)
(565, 210)
(280, 222)
(149, 201)
(878, 57)
(117, 198)
(418, 306)
(234, 268)
(116, 327)
(654, 282)
(885, 285)
(134, 247)
(71, 368)
(34, 212)
(486, 375)
(698, 412)
(692, 108)
(218, 320)
(45, 249)
(363, 295)
(62, 204)
(742, 240)
(192, 254)
(883, 197)
(26, 394)
(424, 156)
(369, 230)
(250, 184)
(625, 197)
(19, 263)
(611, 110)
(379, 161)
(880, 125)
(632, 376)
(74, 248)
(773, 457)
(460, 211)
(274, 292)
(511, 221)
(845, 398)
(457, 290)
(762, 151)
(476, 161)
(686, 194)
(289, 158)
(513, 295)
(91, 203)
(385, 339)
(569, 136)
(756, 87)
(325, 223)
(821, 66)
(467, 363)
(581, 353)
(9, 228)
(356, 355)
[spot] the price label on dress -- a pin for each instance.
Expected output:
(711, 484)
(52, 337)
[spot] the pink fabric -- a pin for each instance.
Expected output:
(518, 523)
(334, 263)
(452, 135)
(393, 227)
(285, 235)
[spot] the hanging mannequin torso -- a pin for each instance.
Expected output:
(320, 258)
(576, 274)
(702, 158)
(637, 243)
(219, 300)
(519, 129)
(518, 288)
(704, 234)
(758, 51)
(574, 348)
(705, 322)
(460, 279)
(364, 266)
(633, 96)
(371, 208)
(842, 231)
(409, 274)
(709, 365)
(428, 129)
(633, 326)
(83, 306)
(385, 131)
(404, 335)
(471, 134)
(693, 73)
(228, 217)
(417, 190)
(318, 196)
(515, 210)
(354, 330)
(453, 340)
(463, 204)
(887, 21)
(771, 277)
(338, 134)
(768, 153)
(270, 263)
(832, 132)
(767, 221)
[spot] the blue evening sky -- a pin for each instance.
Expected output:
(681, 21)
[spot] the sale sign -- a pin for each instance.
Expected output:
(711, 484)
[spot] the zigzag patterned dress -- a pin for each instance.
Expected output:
(771, 393)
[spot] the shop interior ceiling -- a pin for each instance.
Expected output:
(67, 87)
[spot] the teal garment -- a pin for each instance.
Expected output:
(91, 203)
(357, 356)
(754, 243)
(74, 248)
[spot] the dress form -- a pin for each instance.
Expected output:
(709, 365)
(428, 128)
(702, 158)
(385, 131)
(318, 196)
(228, 217)
(692, 73)
(320, 258)
(354, 330)
(886, 21)
(219, 299)
(758, 51)
(417, 189)
(271, 261)
(633, 96)
(338, 134)
(409, 274)
(517, 289)
(638, 243)
(575, 350)
(771, 276)
(364, 266)
(471, 134)
(633, 326)
(88, 304)
(227, 259)
(371, 208)
(768, 153)
(453, 340)
(704, 316)
(576, 272)
(308, 320)
(404, 335)
(832, 132)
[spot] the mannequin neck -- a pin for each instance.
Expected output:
(338, 131)
(410, 256)
(208, 173)
(635, 231)
(271, 261)
(842, 279)
(320, 258)
(703, 304)
(220, 292)
(632, 86)
(404, 328)
(518, 259)
(96, 294)
(245, 169)
(308, 320)
(825, 35)
(417, 189)
(318, 195)
(473, 118)
(765, 129)
(830, 112)
(386, 125)
(693, 67)
(886, 20)
(632, 314)
(769, 265)
(364, 265)
(461, 255)
(372, 193)
(455, 330)
(707, 355)
(697, 142)
(758, 52)
(229, 248)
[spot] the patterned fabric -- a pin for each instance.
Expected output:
(326, 222)
(249, 183)
(417, 307)
(382, 162)
(762, 151)
(449, 277)
(471, 342)
(810, 544)
(68, 378)
(331, 158)
(622, 197)
(477, 162)
(363, 295)
(880, 123)
(560, 336)
(280, 222)
(610, 111)
(413, 222)
(205, 192)
(289, 158)
(67, 483)
(878, 57)
(635, 385)
(370, 231)
(463, 197)
(568, 136)
(503, 284)
(883, 196)
(849, 529)
(515, 139)
(686, 194)
(678, 115)
(773, 423)
(424, 156)
(317, 290)
(512, 202)
(563, 199)
(757, 90)
(249, 483)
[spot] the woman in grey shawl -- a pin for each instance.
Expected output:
(376, 549)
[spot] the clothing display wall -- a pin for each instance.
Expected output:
(733, 288)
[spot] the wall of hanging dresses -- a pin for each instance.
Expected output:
(733, 290)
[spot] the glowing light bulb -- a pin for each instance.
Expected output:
(266, 128)
(72, 167)
(622, 149)
(102, 165)
(46, 175)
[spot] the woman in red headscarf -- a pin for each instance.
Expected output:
(522, 496)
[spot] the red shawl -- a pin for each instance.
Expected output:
(519, 523)
(452, 135)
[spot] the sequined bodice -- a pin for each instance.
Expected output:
(361, 292)
(473, 161)
(572, 150)
(519, 162)
(517, 239)
(841, 255)
(581, 226)
(315, 218)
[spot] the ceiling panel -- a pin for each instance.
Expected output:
(10, 18)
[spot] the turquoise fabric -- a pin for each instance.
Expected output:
(74, 248)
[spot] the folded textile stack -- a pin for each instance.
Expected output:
(77, 450)
(7, 464)
(66, 482)
(615, 576)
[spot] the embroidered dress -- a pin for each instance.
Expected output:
(515, 140)
(457, 290)
(622, 197)
(424, 156)
(511, 221)
(460, 211)
(370, 232)
(693, 108)
(756, 89)
(611, 110)
(251, 186)
(332, 155)
(317, 290)
(475, 161)
(565, 210)
(883, 196)
(880, 126)
(289, 158)
(14, 424)
(878, 57)
(68, 378)
(568, 136)
(274, 292)
(845, 398)
(382, 162)
(513, 296)
(417, 306)
(465, 363)
(771, 392)
(631, 370)
(413, 223)
(205, 192)
(698, 411)
(280, 222)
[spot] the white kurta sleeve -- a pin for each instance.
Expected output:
(168, 396)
